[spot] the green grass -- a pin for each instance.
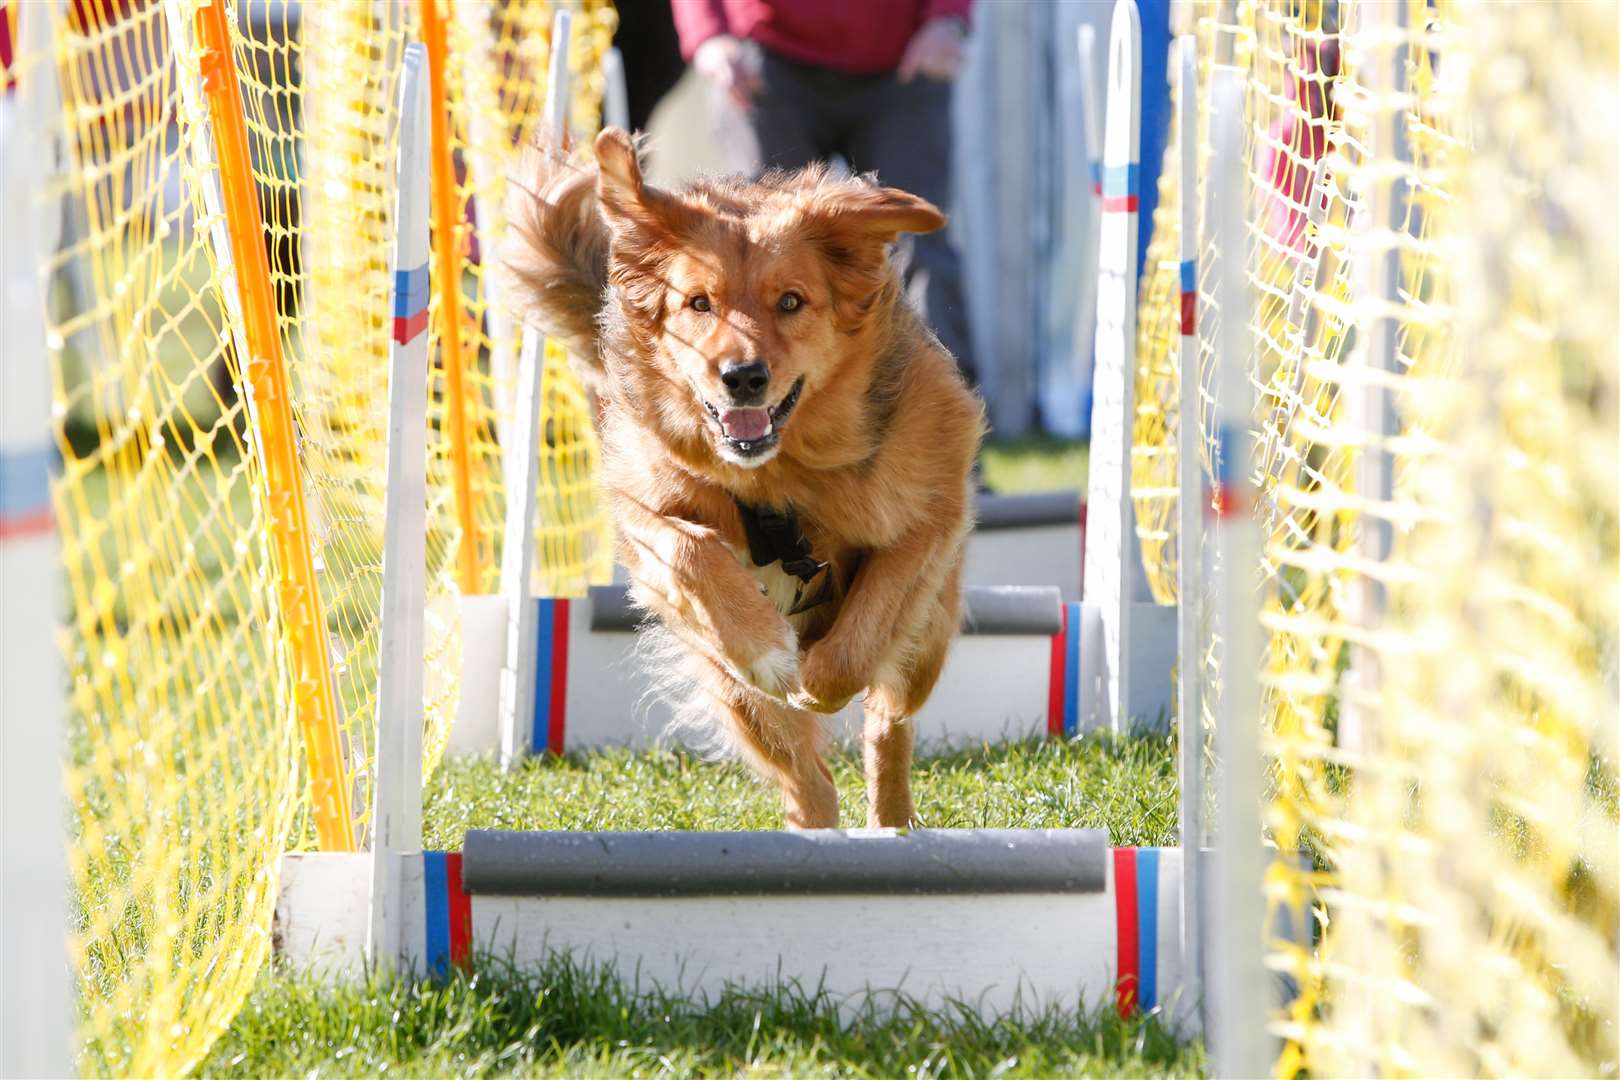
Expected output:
(568, 1020)
(1035, 464)
(573, 1020)
(1127, 786)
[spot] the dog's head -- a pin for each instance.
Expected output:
(750, 299)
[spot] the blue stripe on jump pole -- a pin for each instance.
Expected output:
(544, 635)
(1231, 494)
(1071, 670)
(1096, 178)
(1120, 187)
(1147, 928)
(25, 491)
(25, 479)
(550, 730)
(410, 291)
(436, 909)
(1189, 276)
(1122, 179)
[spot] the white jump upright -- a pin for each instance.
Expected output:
(1189, 510)
(1127, 641)
(1381, 232)
(615, 94)
(1237, 987)
(36, 1022)
(396, 823)
(527, 619)
(1085, 320)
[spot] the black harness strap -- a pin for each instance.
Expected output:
(775, 536)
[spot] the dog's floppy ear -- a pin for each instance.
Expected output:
(853, 224)
(619, 184)
(643, 222)
(628, 202)
(880, 213)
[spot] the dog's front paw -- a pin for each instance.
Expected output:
(775, 672)
(826, 684)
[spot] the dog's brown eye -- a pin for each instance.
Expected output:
(790, 302)
(699, 303)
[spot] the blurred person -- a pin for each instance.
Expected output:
(646, 39)
(865, 80)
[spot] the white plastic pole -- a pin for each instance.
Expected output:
(615, 95)
(1238, 998)
(36, 996)
(558, 90)
(518, 555)
(1190, 528)
(1085, 320)
(1112, 554)
(517, 548)
(488, 141)
(1380, 231)
(397, 810)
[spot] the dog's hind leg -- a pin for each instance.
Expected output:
(902, 685)
(779, 742)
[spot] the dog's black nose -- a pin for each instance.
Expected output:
(746, 381)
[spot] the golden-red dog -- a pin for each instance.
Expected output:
(756, 361)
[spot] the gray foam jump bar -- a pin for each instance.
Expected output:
(1003, 609)
(819, 862)
(1027, 511)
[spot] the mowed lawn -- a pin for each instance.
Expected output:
(573, 1019)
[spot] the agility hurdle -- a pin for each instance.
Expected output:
(1011, 675)
(1037, 539)
(990, 917)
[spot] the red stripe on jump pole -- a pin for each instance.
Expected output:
(17, 526)
(1113, 204)
(460, 905)
(1054, 685)
(406, 330)
(1227, 501)
(1189, 314)
(557, 730)
(1125, 919)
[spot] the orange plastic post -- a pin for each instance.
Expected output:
(271, 414)
(447, 222)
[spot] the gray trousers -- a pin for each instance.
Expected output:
(877, 124)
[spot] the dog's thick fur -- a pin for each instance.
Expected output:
(654, 291)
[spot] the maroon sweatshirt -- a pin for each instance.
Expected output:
(858, 36)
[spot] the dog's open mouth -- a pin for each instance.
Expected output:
(751, 432)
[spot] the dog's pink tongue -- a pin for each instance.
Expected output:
(746, 425)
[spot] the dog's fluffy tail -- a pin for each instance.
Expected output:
(555, 253)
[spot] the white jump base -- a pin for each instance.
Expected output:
(992, 918)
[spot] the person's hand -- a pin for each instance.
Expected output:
(935, 50)
(729, 64)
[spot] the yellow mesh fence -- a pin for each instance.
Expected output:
(1487, 936)
(499, 57)
(187, 775)
(1433, 722)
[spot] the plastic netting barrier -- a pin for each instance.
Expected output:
(187, 775)
(1441, 786)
